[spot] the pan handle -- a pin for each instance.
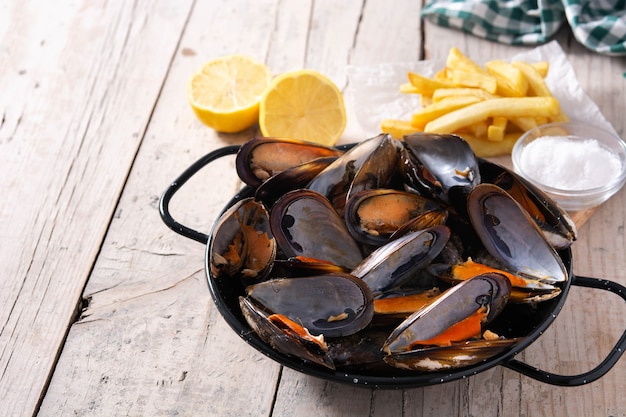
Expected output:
(597, 372)
(167, 195)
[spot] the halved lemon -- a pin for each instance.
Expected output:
(305, 105)
(225, 92)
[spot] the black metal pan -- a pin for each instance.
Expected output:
(225, 297)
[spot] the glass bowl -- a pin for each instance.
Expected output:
(578, 165)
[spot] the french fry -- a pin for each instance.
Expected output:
(537, 85)
(524, 123)
(398, 128)
(488, 149)
(542, 67)
(461, 91)
(536, 82)
(441, 107)
(474, 79)
(489, 106)
(457, 60)
(478, 129)
(511, 81)
(495, 131)
(408, 88)
(426, 86)
(561, 117)
(505, 107)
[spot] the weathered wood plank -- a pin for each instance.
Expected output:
(78, 81)
(164, 348)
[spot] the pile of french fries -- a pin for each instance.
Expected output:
(489, 107)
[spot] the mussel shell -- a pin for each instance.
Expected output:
(511, 236)
(305, 224)
(261, 158)
(430, 218)
(452, 306)
(303, 267)
(455, 356)
(555, 223)
(397, 262)
(438, 163)
(290, 179)
(284, 342)
(403, 305)
(379, 168)
(241, 242)
(332, 304)
(335, 181)
(523, 290)
(372, 216)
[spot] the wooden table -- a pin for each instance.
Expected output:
(104, 311)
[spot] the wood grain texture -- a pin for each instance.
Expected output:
(68, 137)
(95, 125)
(165, 349)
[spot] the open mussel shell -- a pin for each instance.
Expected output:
(556, 225)
(458, 355)
(430, 218)
(440, 163)
(400, 260)
(486, 294)
(377, 156)
(293, 342)
(290, 179)
(241, 242)
(261, 158)
(332, 304)
(379, 168)
(512, 237)
(523, 290)
(305, 224)
(300, 266)
(404, 304)
(372, 216)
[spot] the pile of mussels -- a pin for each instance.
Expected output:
(390, 253)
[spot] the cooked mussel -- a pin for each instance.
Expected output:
(379, 168)
(555, 223)
(305, 224)
(440, 358)
(290, 179)
(442, 165)
(369, 164)
(241, 242)
(400, 260)
(512, 237)
(332, 304)
(373, 216)
(459, 313)
(285, 335)
(260, 158)
(523, 289)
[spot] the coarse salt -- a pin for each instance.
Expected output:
(570, 163)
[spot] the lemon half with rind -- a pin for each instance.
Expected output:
(303, 104)
(225, 93)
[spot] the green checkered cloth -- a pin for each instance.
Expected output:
(600, 25)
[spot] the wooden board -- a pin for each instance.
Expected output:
(79, 81)
(110, 312)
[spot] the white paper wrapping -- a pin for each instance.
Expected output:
(374, 91)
